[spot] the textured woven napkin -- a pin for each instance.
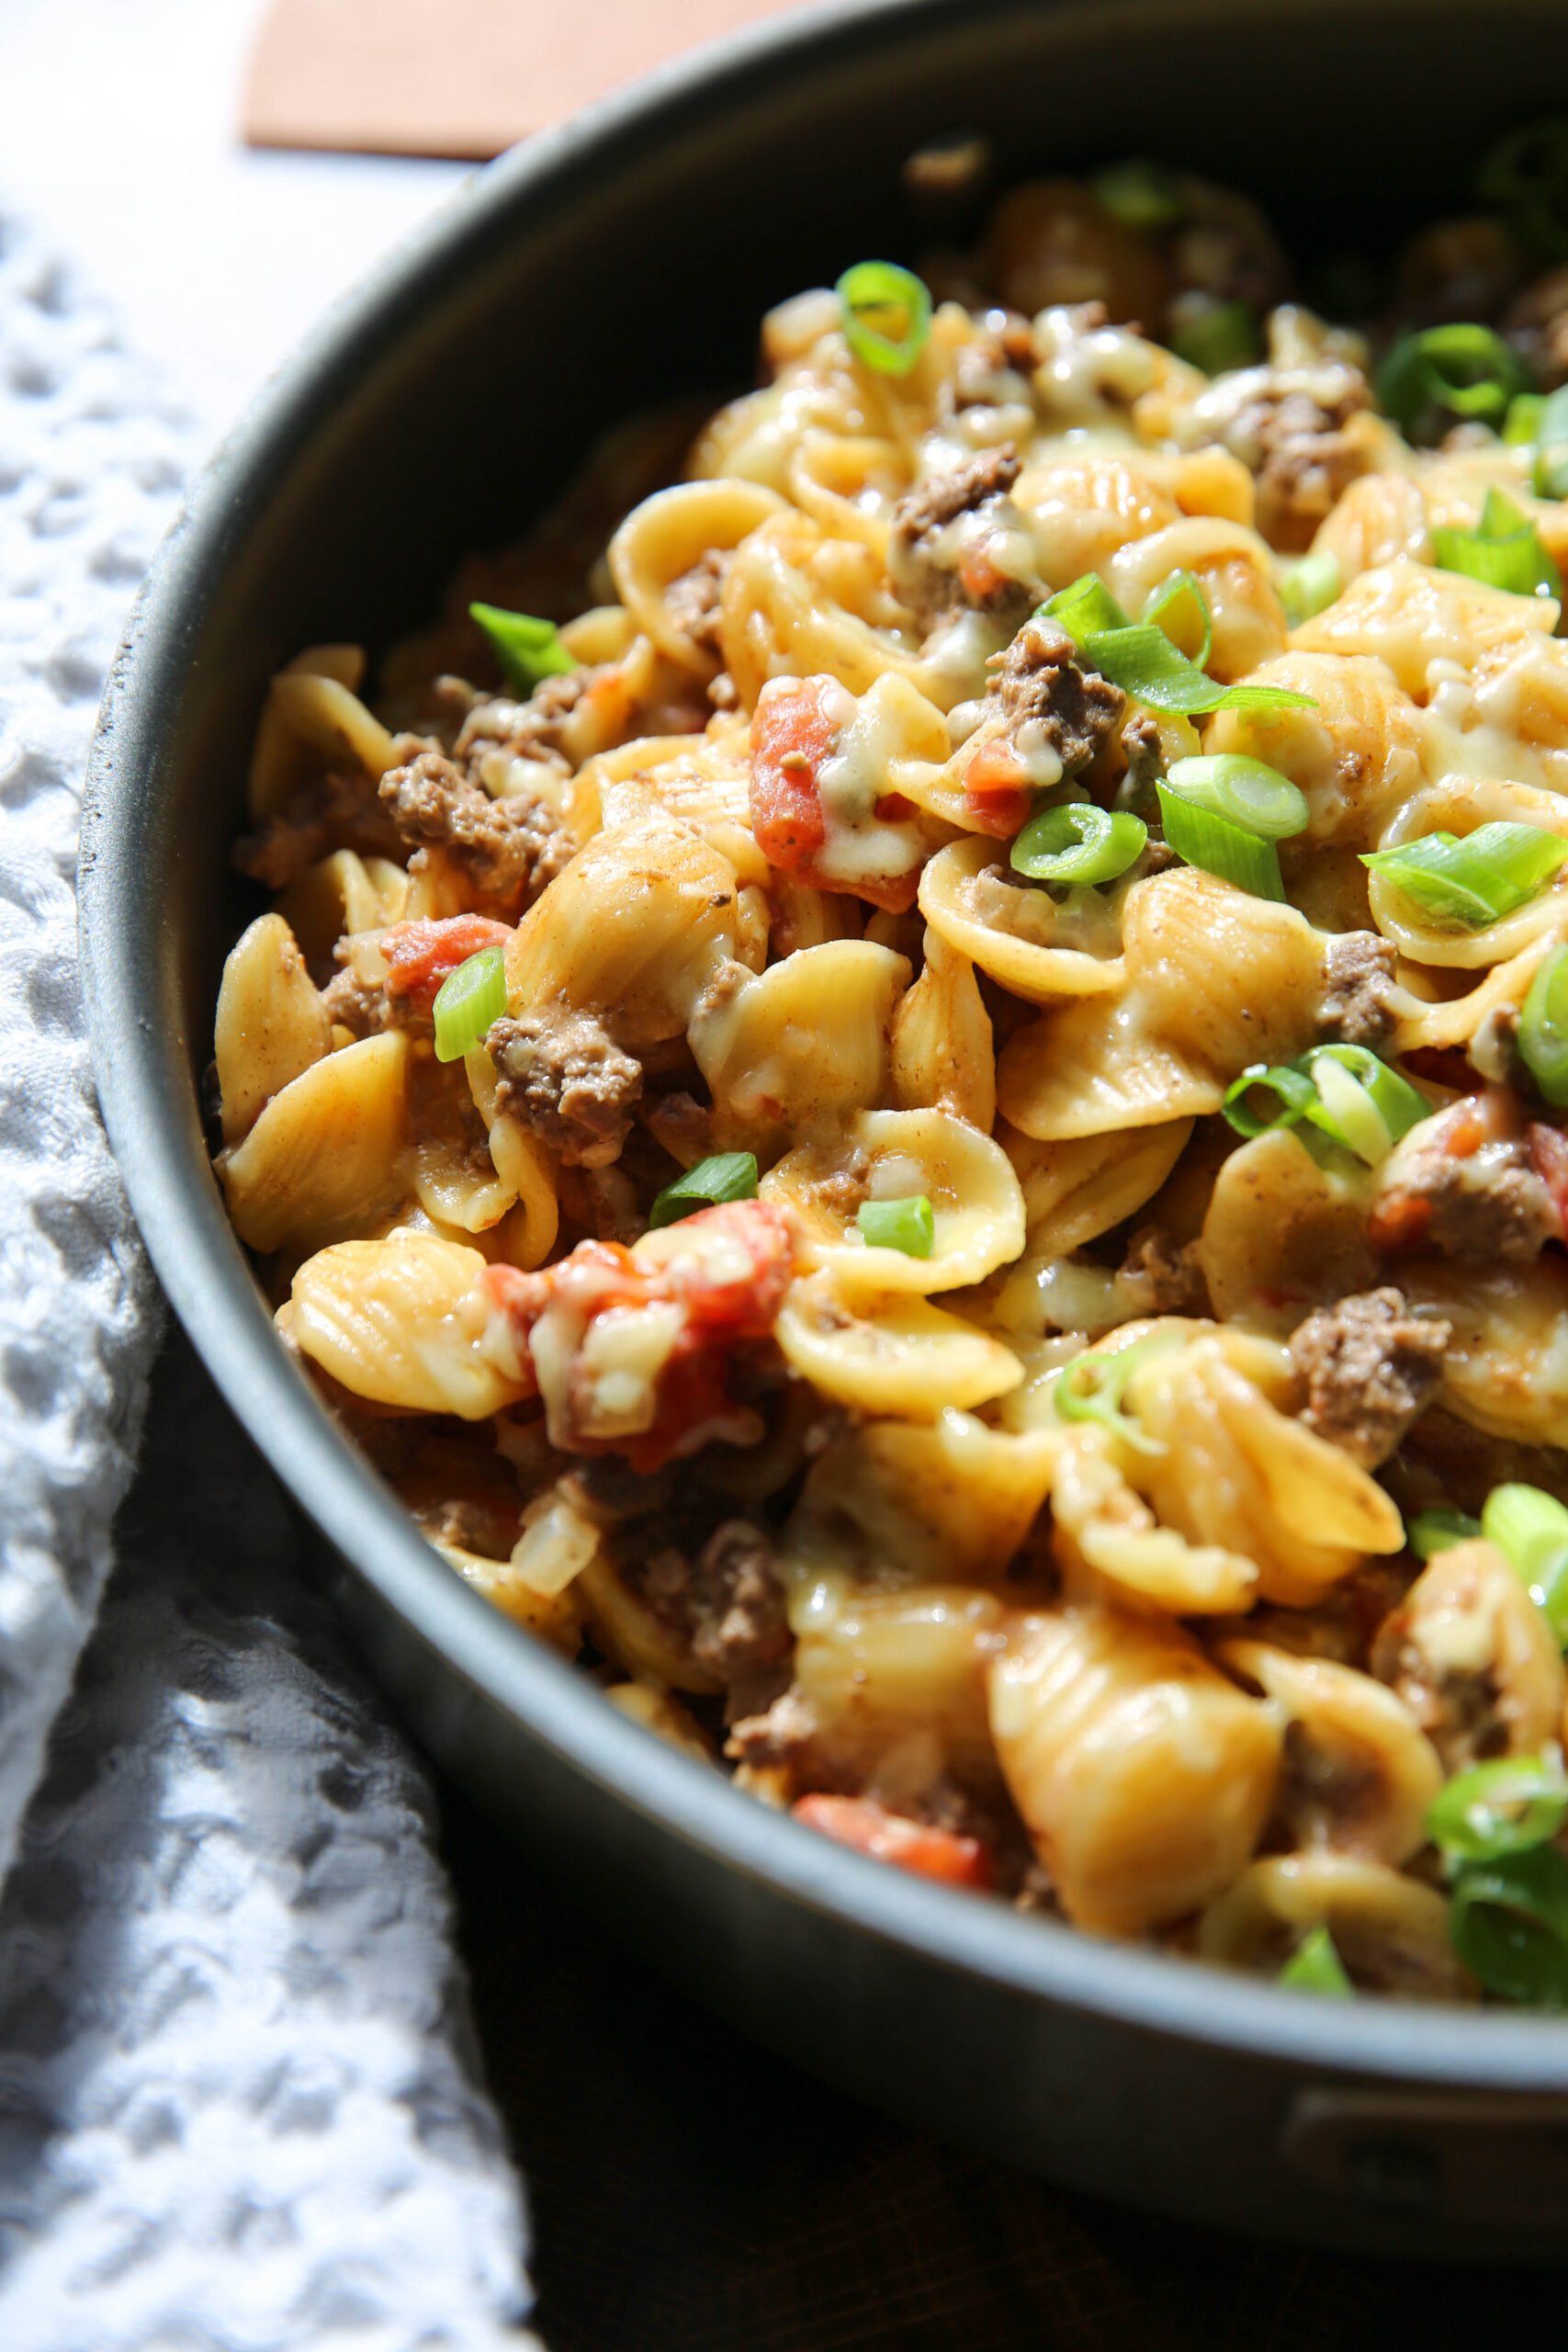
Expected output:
(238, 2110)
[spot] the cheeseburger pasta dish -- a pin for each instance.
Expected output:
(910, 1078)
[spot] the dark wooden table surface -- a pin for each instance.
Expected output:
(692, 2194)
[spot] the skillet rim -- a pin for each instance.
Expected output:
(142, 1074)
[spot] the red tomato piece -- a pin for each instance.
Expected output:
(792, 736)
(727, 1268)
(421, 955)
(1399, 1221)
(997, 793)
(870, 1828)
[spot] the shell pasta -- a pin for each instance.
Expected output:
(910, 1078)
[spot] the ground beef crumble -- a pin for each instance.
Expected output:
(1039, 684)
(331, 813)
(1369, 1365)
(694, 601)
(728, 1601)
(509, 849)
(925, 569)
(563, 1076)
(1288, 426)
(1163, 1275)
(1475, 1204)
(528, 730)
(1357, 1007)
(366, 1008)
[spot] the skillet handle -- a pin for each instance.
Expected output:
(1479, 2158)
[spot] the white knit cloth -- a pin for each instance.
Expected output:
(237, 2109)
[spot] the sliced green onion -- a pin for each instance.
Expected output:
(1525, 175)
(1220, 847)
(1249, 792)
(1506, 551)
(1462, 371)
(1223, 335)
(1090, 1388)
(1361, 1103)
(1521, 427)
(727, 1176)
(528, 649)
(1309, 585)
(1140, 195)
(1348, 1111)
(1439, 1529)
(1550, 478)
(1183, 588)
(1345, 1091)
(908, 1224)
(1294, 1089)
(1501, 1808)
(1531, 1529)
(886, 315)
(1085, 608)
(1508, 1922)
(468, 1001)
(1475, 881)
(1076, 843)
(1143, 661)
(1543, 1027)
(1316, 1967)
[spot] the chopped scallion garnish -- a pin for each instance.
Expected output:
(908, 1224)
(1471, 883)
(1549, 473)
(1439, 1529)
(886, 314)
(1085, 608)
(468, 1001)
(1249, 792)
(727, 1176)
(1543, 1027)
(1504, 1807)
(1508, 1922)
(1506, 551)
(1220, 337)
(1462, 371)
(1178, 604)
(1309, 587)
(1531, 1529)
(1345, 1091)
(1140, 195)
(1220, 846)
(1076, 843)
(1143, 661)
(529, 650)
(1521, 427)
(1316, 1967)
(1090, 1388)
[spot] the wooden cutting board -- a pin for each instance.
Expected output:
(462, 78)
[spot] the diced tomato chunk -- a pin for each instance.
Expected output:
(792, 737)
(1398, 1221)
(794, 733)
(725, 1268)
(421, 955)
(870, 1828)
(980, 578)
(997, 793)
